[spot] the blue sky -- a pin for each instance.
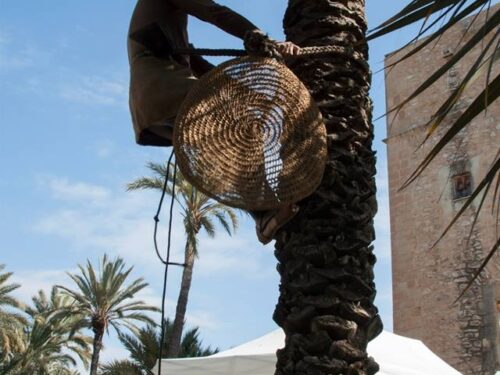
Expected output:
(67, 150)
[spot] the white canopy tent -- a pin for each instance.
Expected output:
(396, 355)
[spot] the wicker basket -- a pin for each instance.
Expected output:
(250, 136)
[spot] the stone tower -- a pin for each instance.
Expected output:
(426, 281)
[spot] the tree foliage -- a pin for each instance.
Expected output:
(438, 16)
(12, 321)
(144, 347)
(52, 341)
(104, 298)
(199, 212)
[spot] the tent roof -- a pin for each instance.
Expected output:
(397, 355)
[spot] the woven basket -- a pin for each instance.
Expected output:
(250, 136)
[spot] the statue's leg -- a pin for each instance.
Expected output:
(267, 223)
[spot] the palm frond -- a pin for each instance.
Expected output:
(478, 37)
(439, 16)
(422, 10)
(476, 107)
(208, 225)
(121, 367)
(483, 265)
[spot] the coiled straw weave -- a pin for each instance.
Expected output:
(250, 136)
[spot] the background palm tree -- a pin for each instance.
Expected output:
(104, 299)
(198, 212)
(11, 321)
(51, 339)
(144, 347)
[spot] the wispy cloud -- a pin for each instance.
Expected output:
(62, 188)
(120, 223)
(238, 255)
(104, 148)
(202, 319)
(33, 280)
(14, 54)
(94, 90)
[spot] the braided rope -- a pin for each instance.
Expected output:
(304, 51)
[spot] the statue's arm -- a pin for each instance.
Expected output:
(218, 15)
(200, 66)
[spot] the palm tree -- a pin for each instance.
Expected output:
(11, 322)
(199, 212)
(51, 339)
(325, 254)
(144, 348)
(103, 299)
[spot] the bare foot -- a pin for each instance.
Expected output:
(268, 224)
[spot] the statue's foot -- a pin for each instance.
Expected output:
(267, 224)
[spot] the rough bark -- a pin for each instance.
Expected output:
(98, 329)
(174, 343)
(325, 254)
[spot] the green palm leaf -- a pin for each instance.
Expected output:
(444, 14)
(199, 213)
(105, 297)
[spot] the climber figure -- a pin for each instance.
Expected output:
(159, 84)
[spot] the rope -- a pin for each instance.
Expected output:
(160, 204)
(304, 51)
(165, 261)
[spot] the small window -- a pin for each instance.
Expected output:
(462, 185)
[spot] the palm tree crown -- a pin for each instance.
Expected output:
(103, 299)
(51, 339)
(144, 346)
(199, 212)
(11, 322)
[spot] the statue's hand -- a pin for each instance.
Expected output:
(288, 49)
(259, 44)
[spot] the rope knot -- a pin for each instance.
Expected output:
(259, 44)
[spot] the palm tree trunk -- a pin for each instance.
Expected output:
(174, 343)
(325, 255)
(97, 346)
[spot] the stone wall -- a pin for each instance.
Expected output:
(427, 280)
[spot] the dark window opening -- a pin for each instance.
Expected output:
(462, 186)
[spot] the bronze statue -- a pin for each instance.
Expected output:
(160, 81)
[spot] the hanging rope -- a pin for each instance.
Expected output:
(165, 261)
(160, 204)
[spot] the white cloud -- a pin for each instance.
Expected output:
(94, 90)
(62, 188)
(121, 223)
(202, 319)
(239, 255)
(104, 149)
(32, 281)
(112, 352)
